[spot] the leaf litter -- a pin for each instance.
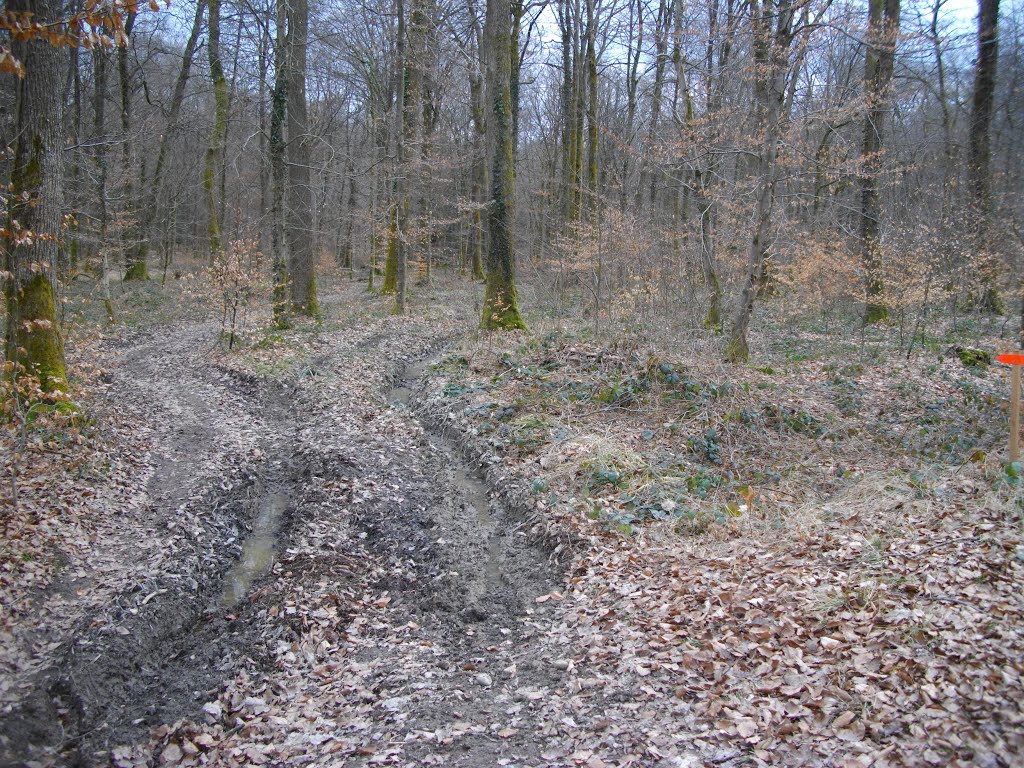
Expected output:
(669, 571)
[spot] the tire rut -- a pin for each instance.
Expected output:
(163, 644)
(353, 489)
(472, 579)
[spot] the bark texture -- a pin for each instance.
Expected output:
(33, 338)
(883, 29)
(501, 307)
(300, 191)
(215, 149)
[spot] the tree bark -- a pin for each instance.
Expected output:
(33, 337)
(215, 149)
(278, 168)
(501, 308)
(883, 29)
(979, 176)
(300, 191)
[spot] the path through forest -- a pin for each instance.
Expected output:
(399, 623)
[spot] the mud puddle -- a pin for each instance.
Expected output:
(403, 391)
(257, 551)
(162, 645)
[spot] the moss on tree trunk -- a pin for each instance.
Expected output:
(501, 308)
(34, 338)
(390, 285)
(137, 271)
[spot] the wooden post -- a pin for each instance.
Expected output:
(1014, 413)
(1015, 362)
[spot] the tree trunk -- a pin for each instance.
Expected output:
(215, 149)
(883, 29)
(571, 138)
(501, 308)
(648, 178)
(409, 146)
(478, 107)
(634, 50)
(771, 61)
(348, 246)
(278, 170)
(33, 338)
(134, 266)
(592, 133)
(299, 197)
(395, 264)
(979, 174)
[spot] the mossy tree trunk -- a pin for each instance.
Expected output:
(390, 284)
(501, 308)
(883, 29)
(278, 171)
(301, 261)
(215, 149)
(32, 337)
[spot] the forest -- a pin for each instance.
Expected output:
(511, 383)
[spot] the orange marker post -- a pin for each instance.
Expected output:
(1015, 362)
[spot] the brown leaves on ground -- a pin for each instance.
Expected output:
(859, 602)
(63, 477)
(886, 641)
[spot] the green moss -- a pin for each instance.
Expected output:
(501, 306)
(973, 358)
(478, 246)
(391, 264)
(43, 355)
(992, 302)
(31, 177)
(137, 271)
(737, 351)
(875, 313)
(312, 306)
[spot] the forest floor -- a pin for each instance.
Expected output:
(396, 541)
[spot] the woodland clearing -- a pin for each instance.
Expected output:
(550, 549)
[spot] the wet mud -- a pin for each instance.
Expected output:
(460, 565)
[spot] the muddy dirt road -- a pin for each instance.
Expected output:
(314, 577)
